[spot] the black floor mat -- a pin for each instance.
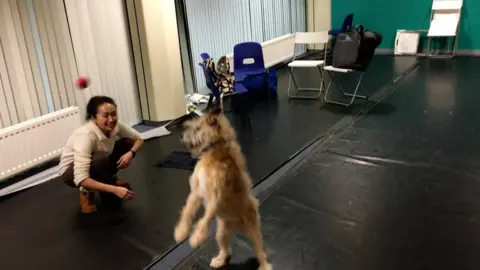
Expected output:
(396, 190)
(131, 239)
(179, 160)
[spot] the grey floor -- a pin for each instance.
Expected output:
(142, 232)
(381, 77)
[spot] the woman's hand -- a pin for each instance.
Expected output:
(124, 193)
(125, 160)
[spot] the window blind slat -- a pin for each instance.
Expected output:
(215, 26)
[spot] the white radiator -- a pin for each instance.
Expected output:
(275, 51)
(33, 142)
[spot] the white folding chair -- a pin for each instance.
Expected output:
(307, 38)
(444, 23)
(359, 86)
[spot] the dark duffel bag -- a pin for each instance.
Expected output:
(346, 50)
(370, 41)
(355, 49)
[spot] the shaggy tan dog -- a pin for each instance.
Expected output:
(221, 182)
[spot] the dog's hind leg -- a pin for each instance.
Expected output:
(253, 231)
(184, 225)
(224, 229)
(200, 232)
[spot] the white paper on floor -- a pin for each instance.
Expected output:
(155, 132)
(31, 181)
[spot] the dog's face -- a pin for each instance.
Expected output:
(204, 131)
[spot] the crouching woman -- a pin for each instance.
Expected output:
(93, 155)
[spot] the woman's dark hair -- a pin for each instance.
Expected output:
(94, 103)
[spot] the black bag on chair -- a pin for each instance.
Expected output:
(356, 43)
(370, 41)
(346, 50)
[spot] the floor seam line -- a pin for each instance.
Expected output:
(323, 140)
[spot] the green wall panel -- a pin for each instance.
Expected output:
(387, 16)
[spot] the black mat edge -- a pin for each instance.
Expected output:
(161, 163)
(266, 186)
(29, 173)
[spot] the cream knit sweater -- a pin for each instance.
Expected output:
(86, 141)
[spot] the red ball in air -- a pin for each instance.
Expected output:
(82, 82)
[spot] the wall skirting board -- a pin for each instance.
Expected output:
(458, 53)
(391, 52)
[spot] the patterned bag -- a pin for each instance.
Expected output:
(223, 78)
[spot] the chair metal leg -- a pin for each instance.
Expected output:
(221, 101)
(428, 53)
(267, 80)
(450, 51)
(319, 90)
(245, 119)
(339, 87)
(210, 101)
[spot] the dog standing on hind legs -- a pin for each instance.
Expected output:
(221, 183)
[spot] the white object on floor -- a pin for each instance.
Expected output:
(31, 181)
(406, 42)
(155, 132)
(198, 98)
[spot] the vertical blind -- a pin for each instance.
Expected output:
(215, 26)
(21, 91)
(46, 45)
(101, 42)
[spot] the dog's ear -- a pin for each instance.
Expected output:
(213, 115)
(217, 111)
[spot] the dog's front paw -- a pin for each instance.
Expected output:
(181, 232)
(219, 261)
(198, 237)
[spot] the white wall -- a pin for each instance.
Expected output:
(319, 17)
(46, 45)
(157, 57)
(22, 94)
(101, 43)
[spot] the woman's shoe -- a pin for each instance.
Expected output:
(87, 202)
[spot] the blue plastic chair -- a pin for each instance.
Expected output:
(204, 56)
(244, 69)
(215, 91)
(244, 51)
(347, 25)
(239, 88)
(208, 78)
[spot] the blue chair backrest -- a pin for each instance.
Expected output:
(204, 56)
(210, 80)
(248, 50)
(347, 22)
